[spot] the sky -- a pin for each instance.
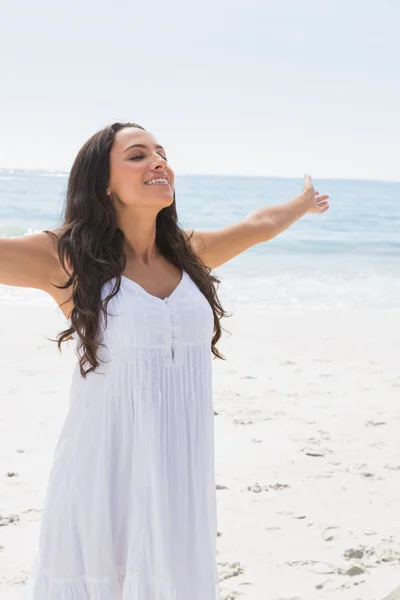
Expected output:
(236, 88)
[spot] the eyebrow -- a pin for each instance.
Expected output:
(142, 146)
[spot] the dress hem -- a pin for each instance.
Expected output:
(41, 585)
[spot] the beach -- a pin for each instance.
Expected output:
(307, 451)
(307, 414)
(223, 109)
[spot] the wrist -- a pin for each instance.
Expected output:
(307, 199)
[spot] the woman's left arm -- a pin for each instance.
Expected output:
(218, 246)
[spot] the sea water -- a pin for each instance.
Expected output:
(347, 258)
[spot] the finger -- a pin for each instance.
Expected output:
(307, 180)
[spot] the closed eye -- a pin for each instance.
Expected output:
(141, 156)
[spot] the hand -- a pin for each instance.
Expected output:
(318, 203)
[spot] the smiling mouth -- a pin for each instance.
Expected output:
(157, 181)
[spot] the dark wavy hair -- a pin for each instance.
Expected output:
(90, 248)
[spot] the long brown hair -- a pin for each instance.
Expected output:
(92, 246)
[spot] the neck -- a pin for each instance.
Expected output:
(140, 236)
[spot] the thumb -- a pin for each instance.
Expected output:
(307, 180)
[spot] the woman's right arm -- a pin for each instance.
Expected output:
(29, 261)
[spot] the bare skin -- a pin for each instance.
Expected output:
(32, 260)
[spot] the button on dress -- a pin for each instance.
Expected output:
(130, 505)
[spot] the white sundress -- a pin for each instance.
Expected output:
(130, 505)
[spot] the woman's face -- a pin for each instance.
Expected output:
(135, 159)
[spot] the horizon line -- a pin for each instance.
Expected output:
(249, 176)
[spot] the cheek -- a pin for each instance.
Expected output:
(127, 176)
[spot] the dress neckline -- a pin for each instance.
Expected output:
(139, 289)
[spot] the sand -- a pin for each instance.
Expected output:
(307, 449)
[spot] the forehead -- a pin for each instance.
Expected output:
(132, 135)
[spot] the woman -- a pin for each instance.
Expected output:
(130, 508)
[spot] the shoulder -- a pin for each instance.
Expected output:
(49, 240)
(196, 241)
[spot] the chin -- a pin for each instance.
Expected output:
(167, 196)
(167, 201)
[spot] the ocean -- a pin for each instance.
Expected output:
(347, 258)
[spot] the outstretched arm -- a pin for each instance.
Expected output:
(28, 261)
(218, 246)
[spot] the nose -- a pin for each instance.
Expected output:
(160, 163)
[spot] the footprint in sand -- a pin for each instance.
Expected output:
(228, 570)
(4, 521)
